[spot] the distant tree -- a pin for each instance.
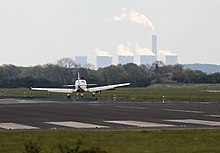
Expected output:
(214, 78)
(1, 73)
(67, 70)
(11, 71)
(137, 75)
(66, 63)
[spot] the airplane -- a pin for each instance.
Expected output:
(81, 86)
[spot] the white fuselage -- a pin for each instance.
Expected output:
(80, 85)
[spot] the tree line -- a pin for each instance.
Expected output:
(65, 72)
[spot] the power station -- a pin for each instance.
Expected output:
(146, 58)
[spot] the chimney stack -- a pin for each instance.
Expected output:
(154, 44)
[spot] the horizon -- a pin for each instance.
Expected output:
(55, 63)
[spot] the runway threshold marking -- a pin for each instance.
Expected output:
(76, 124)
(193, 121)
(184, 111)
(15, 126)
(129, 107)
(140, 124)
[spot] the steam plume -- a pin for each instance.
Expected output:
(102, 53)
(143, 51)
(135, 17)
(124, 50)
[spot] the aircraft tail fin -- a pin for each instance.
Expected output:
(78, 77)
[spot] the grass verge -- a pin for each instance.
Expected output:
(190, 141)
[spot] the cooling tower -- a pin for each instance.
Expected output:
(103, 61)
(147, 59)
(125, 59)
(171, 59)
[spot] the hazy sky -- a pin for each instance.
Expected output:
(42, 31)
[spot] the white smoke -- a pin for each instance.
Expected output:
(124, 50)
(102, 53)
(122, 16)
(135, 17)
(143, 51)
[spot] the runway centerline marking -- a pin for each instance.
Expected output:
(76, 124)
(193, 121)
(15, 126)
(184, 111)
(140, 124)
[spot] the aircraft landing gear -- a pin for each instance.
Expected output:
(68, 96)
(81, 95)
(93, 94)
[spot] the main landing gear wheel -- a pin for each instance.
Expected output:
(93, 94)
(81, 95)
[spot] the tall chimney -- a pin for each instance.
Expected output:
(154, 44)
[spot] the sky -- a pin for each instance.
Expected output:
(37, 32)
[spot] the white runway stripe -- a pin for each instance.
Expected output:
(193, 121)
(15, 126)
(184, 111)
(140, 124)
(76, 124)
(213, 115)
(127, 107)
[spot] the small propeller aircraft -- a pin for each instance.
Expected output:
(81, 86)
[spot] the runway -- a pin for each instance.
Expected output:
(20, 114)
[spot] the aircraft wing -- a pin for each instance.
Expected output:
(61, 90)
(94, 89)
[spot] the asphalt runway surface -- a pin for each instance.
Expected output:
(20, 114)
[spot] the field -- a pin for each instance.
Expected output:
(190, 141)
(189, 93)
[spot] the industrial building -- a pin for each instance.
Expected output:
(147, 56)
(103, 61)
(125, 59)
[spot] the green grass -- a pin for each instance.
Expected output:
(189, 141)
(190, 93)
(183, 92)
